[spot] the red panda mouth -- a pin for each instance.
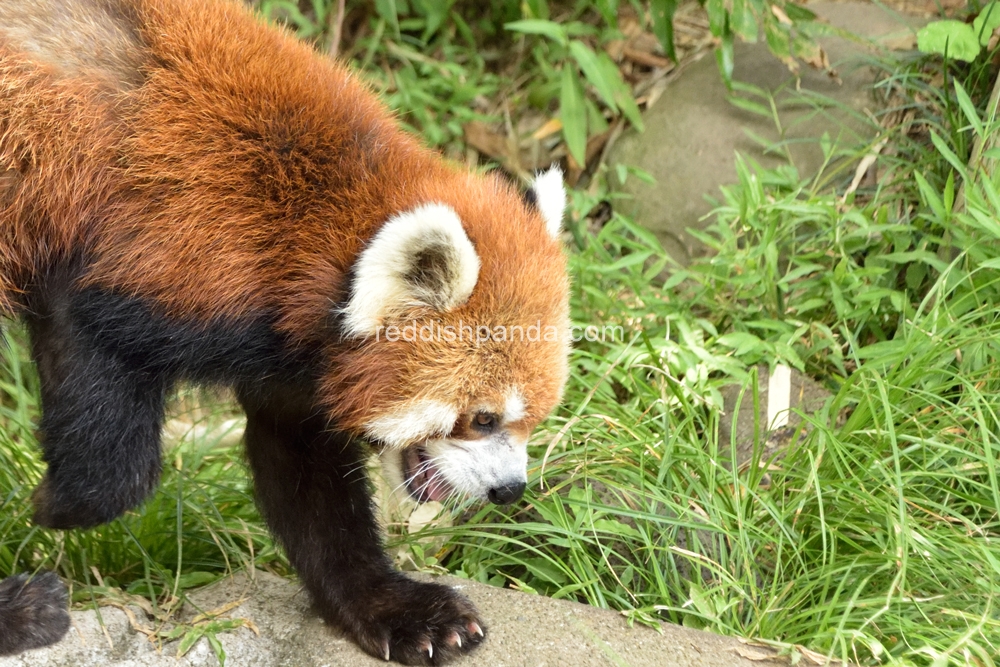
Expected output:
(424, 481)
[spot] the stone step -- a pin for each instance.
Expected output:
(524, 631)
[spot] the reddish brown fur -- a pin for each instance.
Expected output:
(183, 193)
(244, 174)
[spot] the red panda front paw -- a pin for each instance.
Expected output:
(419, 624)
(33, 612)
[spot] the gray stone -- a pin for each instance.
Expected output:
(748, 429)
(524, 630)
(693, 132)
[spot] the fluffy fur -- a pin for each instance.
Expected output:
(550, 194)
(418, 258)
(188, 194)
(32, 612)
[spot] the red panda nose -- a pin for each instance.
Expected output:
(507, 494)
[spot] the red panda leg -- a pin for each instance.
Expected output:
(100, 424)
(314, 493)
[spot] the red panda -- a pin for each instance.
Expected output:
(187, 194)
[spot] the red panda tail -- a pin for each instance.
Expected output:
(33, 612)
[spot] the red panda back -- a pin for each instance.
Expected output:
(63, 65)
(93, 37)
(156, 136)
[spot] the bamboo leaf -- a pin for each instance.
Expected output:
(220, 653)
(573, 114)
(779, 40)
(189, 640)
(609, 12)
(947, 153)
(387, 10)
(621, 91)
(663, 24)
(549, 29)
(743, 21)
(596, 75)
(724, 54)
(716, 10)
(968, 108)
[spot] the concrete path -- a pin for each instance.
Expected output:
(524, 631)
(693, 132)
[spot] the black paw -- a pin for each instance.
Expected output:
(33, 613)
(418, 624)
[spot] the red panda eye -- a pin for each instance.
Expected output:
(485, 421)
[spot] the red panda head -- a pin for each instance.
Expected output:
(457, 324)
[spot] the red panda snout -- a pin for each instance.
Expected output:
(482, 454)
(493, 468)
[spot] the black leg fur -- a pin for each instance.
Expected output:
(100, 426)
(313, 491)
(107, 361)
(33, 613)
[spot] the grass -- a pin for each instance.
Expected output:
(199, 526)
(873, 538)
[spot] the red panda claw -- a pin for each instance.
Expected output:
(475, 629)
(385, 650)
(455, 639)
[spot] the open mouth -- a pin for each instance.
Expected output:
(424, 481)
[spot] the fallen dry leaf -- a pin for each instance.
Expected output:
(645, 58)
(616, 49)
(483, 139)
(818, 658)
(550, 127)
(780, 14)
(756, 653)
(814, 55)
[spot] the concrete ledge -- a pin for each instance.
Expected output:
(525, 630)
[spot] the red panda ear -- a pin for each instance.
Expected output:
(419, 258)
(550, 195)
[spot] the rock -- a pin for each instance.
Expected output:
(801, 395)
(693, 131)
(524, 630)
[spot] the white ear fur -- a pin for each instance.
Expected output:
(419, 258)
(551, 197)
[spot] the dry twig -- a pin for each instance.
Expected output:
(336, 28)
